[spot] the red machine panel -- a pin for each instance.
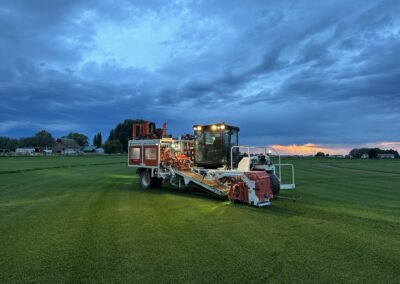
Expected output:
(239, 190)
(263, 184)
(150, 155)
(135, 155)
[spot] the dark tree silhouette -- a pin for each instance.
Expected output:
(123, 133)
(81, 139)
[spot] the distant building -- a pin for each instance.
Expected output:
(70, 152)
(66, 146)
(364, 156)
(338, 156)
(47, 152)
(25, 151)
(386, 156)
(89, 149)
(100, 151)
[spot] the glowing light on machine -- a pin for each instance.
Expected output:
(213, 127)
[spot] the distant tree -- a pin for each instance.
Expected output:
(27, 142)
(390, 151)
(320, 154)
(327, 155)
(81, 139)
(113, 146)
(43, 139)
(373, 153)
(12, 144)
(355, 153)
(99, 140)
(4, 142)
(123, 133)
(8, 143)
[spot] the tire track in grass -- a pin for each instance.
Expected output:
(89, 243)
(31, 237)
(174, 229)
(52, 230)
(98, 256)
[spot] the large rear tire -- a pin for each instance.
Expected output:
(275, 185)
(145, 179)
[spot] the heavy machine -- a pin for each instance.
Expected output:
(211, 160)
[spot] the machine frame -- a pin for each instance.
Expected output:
(146, 157)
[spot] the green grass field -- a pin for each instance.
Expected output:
(84, 219)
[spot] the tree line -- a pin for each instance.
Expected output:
(117, 141)
(372, 152)
(44, 139)
(359, 152)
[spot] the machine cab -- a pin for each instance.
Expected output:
(213, 144)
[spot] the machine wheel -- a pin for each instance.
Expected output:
(145, 179)
(275, 184)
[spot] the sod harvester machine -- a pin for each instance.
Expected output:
(211, 160)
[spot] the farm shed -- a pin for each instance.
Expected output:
(338, 156)
(386, 156)
(89, 149)
(25, 151)
(66, 146)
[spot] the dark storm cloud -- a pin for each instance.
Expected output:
(293, 72)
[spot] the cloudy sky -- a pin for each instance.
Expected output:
(321, 74)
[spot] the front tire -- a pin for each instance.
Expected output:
(275, 185)
(146, 181)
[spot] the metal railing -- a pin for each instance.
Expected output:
(265, 148)
(269, 150)
(286, 185)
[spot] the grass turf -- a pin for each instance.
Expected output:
(84, 219)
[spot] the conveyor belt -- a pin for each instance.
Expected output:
(210, 185)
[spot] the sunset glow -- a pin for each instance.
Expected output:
(311, 149)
